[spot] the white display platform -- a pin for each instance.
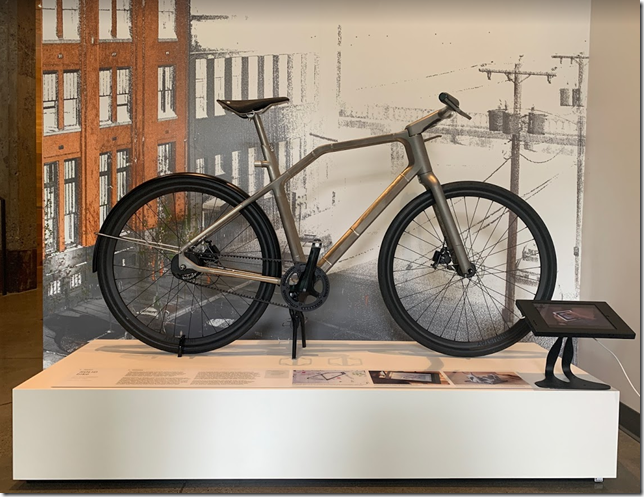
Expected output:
(110, 428)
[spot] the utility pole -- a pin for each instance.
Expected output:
(577, 104)
(516, 76)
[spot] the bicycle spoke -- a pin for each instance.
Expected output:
(475, 312)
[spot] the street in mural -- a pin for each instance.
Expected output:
(521, 77)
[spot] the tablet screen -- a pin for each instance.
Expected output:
(573, 316)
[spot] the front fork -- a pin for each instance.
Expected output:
(464, 266)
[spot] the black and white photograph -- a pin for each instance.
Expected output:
(486, 379)
(521, 80)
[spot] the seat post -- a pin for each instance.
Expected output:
(269, 155)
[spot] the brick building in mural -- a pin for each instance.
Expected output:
(115, 78)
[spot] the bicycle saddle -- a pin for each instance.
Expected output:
(244, 107)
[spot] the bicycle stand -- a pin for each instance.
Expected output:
(182, 342)
(297, 321)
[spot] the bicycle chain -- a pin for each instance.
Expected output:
(239, 294)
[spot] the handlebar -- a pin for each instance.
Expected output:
(451, 104)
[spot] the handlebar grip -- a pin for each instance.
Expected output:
(452, 103)
(447, 99)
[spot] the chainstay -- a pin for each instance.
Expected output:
(240, 294)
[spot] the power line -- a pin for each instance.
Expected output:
(516, 76)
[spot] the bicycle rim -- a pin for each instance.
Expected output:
(161, 307)
(511, 251)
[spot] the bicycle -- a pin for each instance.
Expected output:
(189, 262)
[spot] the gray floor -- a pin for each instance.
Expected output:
(21, 358)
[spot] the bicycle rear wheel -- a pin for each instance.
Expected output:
(513, 255)
(152, 297)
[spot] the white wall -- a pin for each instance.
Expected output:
(611, 216)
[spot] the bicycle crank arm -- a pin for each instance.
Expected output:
(187, 264)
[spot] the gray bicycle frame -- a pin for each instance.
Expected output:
(419, 165)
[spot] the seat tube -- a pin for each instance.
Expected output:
(442, 210)
(279, 193)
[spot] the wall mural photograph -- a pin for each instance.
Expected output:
(130, 90)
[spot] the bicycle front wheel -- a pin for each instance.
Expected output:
(163, 304)
(512, 253)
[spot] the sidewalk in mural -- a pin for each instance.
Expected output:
(354, 311)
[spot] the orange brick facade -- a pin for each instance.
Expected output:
(143, 53)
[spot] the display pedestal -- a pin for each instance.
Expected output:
(136, 430)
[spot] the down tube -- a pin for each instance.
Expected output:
(369, 216)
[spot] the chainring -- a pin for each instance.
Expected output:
(314, 297)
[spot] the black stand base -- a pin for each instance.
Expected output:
(574, 382)
(297, 321)
(182, 342)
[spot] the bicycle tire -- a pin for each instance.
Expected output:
(174, 222)
(451, 335)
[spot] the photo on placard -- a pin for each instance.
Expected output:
(487, 378)
(408, 378)
(330, 377)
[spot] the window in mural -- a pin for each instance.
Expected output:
(236, 73)
(282, 76)
(75, 281)
(165, 158)
(53, 288)
(200, 165)
(219, 170)
(123, 174)
(50, 180)
(236, 172)
(268, 76)
(309, 78)
(166, 92)
(104, 184)
(253, 81)
(70, 20)
(167, 18)
(123, 19)
(49, 20)
(220, 82)
(201, 86)
(252, 170)
(71, 102)
(71, 202)
(64, 28)
(50, 102)
(105, 19)
(123, 100)
(296, 77)
(117, 26)
(105, 96)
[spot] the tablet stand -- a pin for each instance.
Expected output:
(574, 382)
(603, 322)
